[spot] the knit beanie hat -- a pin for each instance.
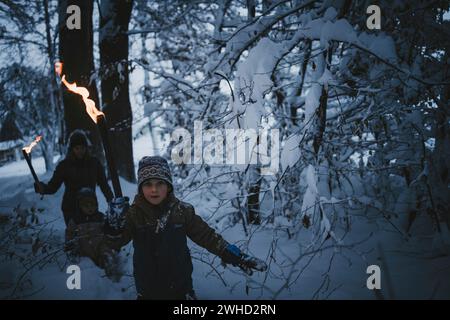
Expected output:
(86, 193)
(77, 138)
(155, 167)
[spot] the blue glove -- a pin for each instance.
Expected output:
(234, 256)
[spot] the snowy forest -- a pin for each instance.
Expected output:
(311, 134)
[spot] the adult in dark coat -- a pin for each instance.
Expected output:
(78, 170)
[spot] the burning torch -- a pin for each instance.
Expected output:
(26, 154)
(120, 203)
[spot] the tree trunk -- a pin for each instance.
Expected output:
(76, 52)
(321, 120)
(254, 171)
(146, 94)
(251, 9)
(298, 92)
(114, 19)
(439, 175)
(253, 205)
(47, 153)
(54, 97)
(321, 113)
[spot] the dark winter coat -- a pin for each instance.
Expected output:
(162, 261)
(85, 234)
(76, 174)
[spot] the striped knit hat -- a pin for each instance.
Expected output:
(155, 167)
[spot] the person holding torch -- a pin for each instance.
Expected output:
(78, 170)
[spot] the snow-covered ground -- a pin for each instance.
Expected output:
(409, 269)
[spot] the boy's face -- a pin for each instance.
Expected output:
(155, 191)
(88, 206)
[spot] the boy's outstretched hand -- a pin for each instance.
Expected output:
(234, 256)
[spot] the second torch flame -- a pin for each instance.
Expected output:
(31, 146)
(91, 109)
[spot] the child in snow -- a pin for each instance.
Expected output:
(85, 234)
(158, 223)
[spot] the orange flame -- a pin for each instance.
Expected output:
(91, 109)
(34, 143)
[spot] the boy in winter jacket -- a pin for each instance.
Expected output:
(85, 234)
(158, 224)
